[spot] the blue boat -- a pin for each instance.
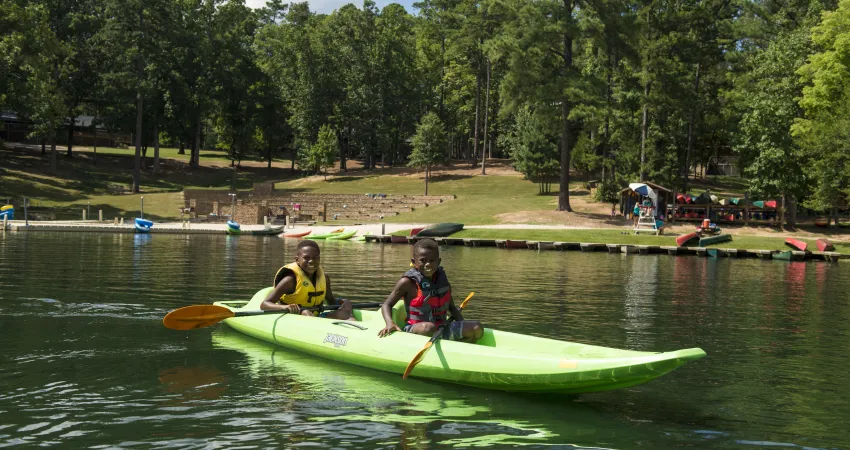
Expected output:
(142, 225)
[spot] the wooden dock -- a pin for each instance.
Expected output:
(620, 248)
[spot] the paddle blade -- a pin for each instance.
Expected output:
(196, 316)
(416, 359)
(466, 299)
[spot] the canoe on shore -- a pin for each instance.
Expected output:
(714, 239)
(682, 240)
(297, 235)
(825, 245)
(500, 360)
(440, 230)
(796, 244)
(782, 256)
(273, 231)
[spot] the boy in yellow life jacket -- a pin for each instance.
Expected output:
(303, 284)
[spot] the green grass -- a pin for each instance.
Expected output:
(725, 187)
(603, 236)
(479, 199)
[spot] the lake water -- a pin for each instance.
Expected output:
(86, 362)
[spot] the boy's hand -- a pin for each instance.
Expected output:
(390, 329)
(293, 308)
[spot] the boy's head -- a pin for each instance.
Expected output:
(426, 257)
(307, 256)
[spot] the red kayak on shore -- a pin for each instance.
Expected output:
(825, 245)
(797, 244)
(685, 238)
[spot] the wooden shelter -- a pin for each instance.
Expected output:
(628, 198)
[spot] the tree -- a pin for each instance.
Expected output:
(429, 145)
(323, 154)
(824, 132)
(532, 142)
(774, 160)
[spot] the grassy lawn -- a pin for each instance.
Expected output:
(724, 187)
(479, 198)
(219, 157)
(106, 184)
(618, 237)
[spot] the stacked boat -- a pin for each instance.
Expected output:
(233, 227)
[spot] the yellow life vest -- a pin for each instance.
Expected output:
(305, 294)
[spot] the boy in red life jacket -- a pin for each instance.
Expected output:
(304, 284)
(428, 299)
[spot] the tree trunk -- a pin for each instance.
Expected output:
(182, 150)
(43, 145)
(270, 158)
(156, 144)
(139, 109)
(427, 173)
(691, 129)
(196, 146)
(644, 130)
(608, 94)
(486, 116)
(344, 153)
(71, 136)
(94, 146)
(566, 138)
(53, 152)
(477, 116)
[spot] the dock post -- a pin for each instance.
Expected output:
(100, 215)
(383, 229)
(26, 215)
(84, 215)
(5, 218)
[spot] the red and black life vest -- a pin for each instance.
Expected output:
(432, 300)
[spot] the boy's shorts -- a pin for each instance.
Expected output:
(452, 331)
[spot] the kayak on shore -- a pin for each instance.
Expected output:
(500, 360)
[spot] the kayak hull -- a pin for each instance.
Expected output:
(825, 245)
(796, 244)
(297, 235)
(440, 230)
(342, 236)
(682, 240)
(714, 239)
(273, 231)
(500, 360)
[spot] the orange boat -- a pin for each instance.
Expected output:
(297, 235)
(825, 245)
(795, 243)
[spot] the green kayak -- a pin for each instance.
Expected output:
(500, 360)
(327, 235)
(342, 236)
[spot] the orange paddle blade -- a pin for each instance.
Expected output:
(416, 360)
(467, 299)
(196, 316)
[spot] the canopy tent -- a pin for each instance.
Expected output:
(646, 191)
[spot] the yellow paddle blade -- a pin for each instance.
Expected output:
(416, 360)
(196, 316)
(467, 299)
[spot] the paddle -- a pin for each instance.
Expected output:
(437, 334)
(201, 316)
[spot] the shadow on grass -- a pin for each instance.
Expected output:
(449, 177)
(26, 172)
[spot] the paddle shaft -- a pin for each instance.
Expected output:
(314, 308)
(434, 338)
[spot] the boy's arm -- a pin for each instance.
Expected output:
(454, 310)
(329, 295)
(286, 286)
(399, 292)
